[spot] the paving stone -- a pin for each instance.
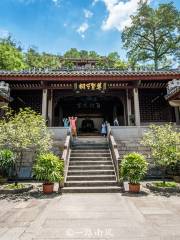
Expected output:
(110, 216)
(12, 234)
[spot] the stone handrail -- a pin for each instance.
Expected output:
(66, 154)
(114, 152)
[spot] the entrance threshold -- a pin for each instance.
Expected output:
(89, 134)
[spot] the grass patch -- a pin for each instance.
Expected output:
(166, 184)
(13, 186)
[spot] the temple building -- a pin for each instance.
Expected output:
(134, 98)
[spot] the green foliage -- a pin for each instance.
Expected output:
(49, 168)
(164, 142)
(165, 184)
(72, 53)
(11, 57)
(7, 160)
(44, 60)
(14, 186)
(153, 34)
(24, 130)
(133, 167)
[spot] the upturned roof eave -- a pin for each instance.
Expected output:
(90, 75)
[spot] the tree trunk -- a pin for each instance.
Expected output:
(17, 169)
(164, 175)
(156, 64)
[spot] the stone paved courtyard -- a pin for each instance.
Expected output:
(91, 216)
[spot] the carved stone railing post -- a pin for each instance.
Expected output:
(114, 152)
(66, 155)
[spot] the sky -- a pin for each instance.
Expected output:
(55, 26)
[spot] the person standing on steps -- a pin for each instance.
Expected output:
(103, 129)
(66, 122)
(73, 121)
(116, 122)
(67, 125)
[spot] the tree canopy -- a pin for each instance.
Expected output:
(153, 35)
(11, 56)
(152, 41)
(34, 59)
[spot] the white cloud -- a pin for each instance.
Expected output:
(82, 29)
(56, 2)
(4, 33)
(119, 13)
(87, 13)
(94, 2)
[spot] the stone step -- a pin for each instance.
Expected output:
(89, 183)
(103, 141)
(92, 141)
(91, 172)
(90, 151)
(91, 167)
(89, 143)
(91, 178)
(90, 154)
(107, 189)
(94, 162)
(90, 159)
(90, 147)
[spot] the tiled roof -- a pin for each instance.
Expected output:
(87, 72)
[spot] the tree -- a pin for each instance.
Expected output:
(50, 60)
(33, 58)
(164, 142)
(45, 60)
(112, 58)
(121, 65)
(153, 34)
(22, 131)
(11, 57)
(93, 55)
(84, 54)
(72, 53)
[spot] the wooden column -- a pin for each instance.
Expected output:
(129, 110)
(136, 106)
(177, 115)
(50, 108)
(44, 103)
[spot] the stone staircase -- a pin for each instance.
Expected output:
(133, 145)
(90, 167)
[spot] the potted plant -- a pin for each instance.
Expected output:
(7, 161)
(49, 169)
(133, 168)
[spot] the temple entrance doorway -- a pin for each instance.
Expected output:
(91, 111)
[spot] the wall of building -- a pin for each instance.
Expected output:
(26, 98)
(59, 135)
(154, 107)
(128, 140)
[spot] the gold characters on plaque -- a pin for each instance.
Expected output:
(91, 86)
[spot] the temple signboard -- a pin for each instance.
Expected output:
(91, 86)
